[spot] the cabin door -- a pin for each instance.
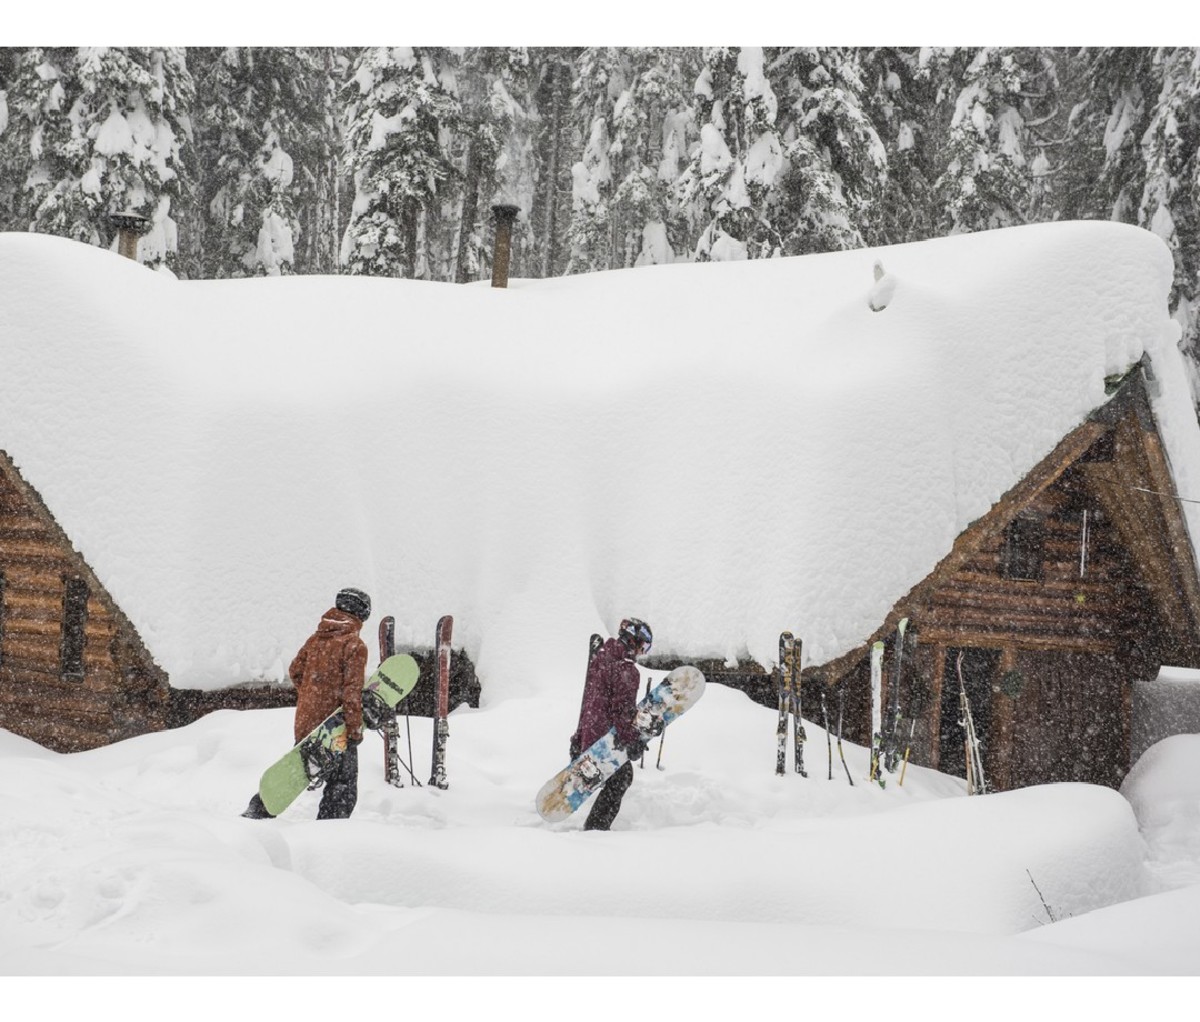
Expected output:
(979, 668)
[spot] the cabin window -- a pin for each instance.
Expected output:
(1101, 450)
(74, 622)
(1024, 548)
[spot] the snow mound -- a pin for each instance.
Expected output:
(725, 450)
(1164, 789)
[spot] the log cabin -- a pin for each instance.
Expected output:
(74, 673)
(1079, 582)
(190, 543)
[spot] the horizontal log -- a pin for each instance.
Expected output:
(32, 546)
(58, 735)
(46, 652)
(33, 699)
(1092, 587)
(36, 619)
(1008, 633)
(31, 578)
(961, 636)
(52, 560)
(1063, 604)
(20, 530)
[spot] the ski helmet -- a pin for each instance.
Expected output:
(354, 601)
(636, 635)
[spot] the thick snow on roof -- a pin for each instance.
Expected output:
(725, 450)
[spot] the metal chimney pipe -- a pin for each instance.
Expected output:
(130, 227)
(504, 215)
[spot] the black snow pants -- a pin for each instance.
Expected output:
(608, 802)
(341, 787)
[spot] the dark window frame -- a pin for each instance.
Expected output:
(76, 593)
(1023, 552)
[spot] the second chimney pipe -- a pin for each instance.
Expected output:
(130, 227)
(505, 215)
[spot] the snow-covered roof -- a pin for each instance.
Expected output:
(725, 449)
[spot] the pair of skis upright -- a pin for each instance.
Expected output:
(441, 709)
(788, 684)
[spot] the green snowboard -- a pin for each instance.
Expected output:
(308, 762)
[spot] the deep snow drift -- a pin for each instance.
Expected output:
(726, 450)
(132, 859)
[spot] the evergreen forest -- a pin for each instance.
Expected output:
(388, 160)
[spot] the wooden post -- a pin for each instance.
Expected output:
(1000, 755)
(130, 227)
(504, 215)
(935, 707)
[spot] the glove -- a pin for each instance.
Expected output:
(635, 749)
(575, 749)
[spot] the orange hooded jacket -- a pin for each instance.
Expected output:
(328, 672)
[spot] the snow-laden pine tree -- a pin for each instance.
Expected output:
(993, 170)
(1098, 171)
(733, 171)
(600, 76)
(263, 125)
(834, 172)
(636, 108)
(1169, 204)
(401, 112)
(107, 130)
(11, 171)
(899, 99)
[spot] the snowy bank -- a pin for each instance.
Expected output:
(131, 860)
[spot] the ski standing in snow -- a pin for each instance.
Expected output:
(441, 710)
(976, 782)
(876, 712)
(788, 675)
(891, 731)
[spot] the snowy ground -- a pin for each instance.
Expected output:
(132, 860)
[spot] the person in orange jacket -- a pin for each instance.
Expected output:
(328, 672)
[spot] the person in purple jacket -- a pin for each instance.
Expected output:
(610, 696)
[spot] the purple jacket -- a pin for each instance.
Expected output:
(609, 696)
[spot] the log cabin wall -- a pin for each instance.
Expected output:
(1059, 603)
(1054, 654)
(73, 672)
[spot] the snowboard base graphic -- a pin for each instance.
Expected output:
(567, 790)
(308, 762)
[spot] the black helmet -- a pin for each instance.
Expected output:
(636, 636)
(354, 601)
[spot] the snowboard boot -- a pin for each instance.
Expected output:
(256, 810)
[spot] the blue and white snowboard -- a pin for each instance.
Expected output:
(567, 790)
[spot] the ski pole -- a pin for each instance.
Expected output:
(661, 738)
(907, 749)
(642, 761)
(798, 734)
(828, 738)
(408, 727)
(841, 707)
(781, 727)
